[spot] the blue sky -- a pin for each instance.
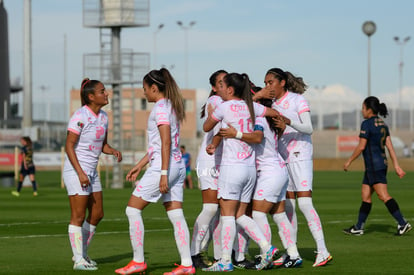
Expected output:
(320, 40)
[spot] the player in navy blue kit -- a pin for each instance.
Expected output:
(373, 138)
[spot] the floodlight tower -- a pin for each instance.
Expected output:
(113, 66)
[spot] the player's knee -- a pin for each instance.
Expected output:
(210, 209)
(305, 203)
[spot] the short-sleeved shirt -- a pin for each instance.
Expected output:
(375, 131)
(92, 129)
(163, 114)
(236, 113)
(28, 156)
(293, 145)
(267, 154)
(202, 156)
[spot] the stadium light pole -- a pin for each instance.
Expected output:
(401, 43)
(186, 29)
(160, 26)
(369, 29)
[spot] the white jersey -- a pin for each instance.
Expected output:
(162, 113)
(267, 154)
(236, 113)
(202, 156)
(91, 129)
(293, 145)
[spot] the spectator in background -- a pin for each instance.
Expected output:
(187, 160)
(406, 151)
(27, 167)
(412, 148)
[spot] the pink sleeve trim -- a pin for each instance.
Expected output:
(304, 110)
(215, 118)
(163, 123)
(74, 131)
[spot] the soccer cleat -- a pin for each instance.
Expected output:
(84, 265)
(219, 267)
(322, 259)
(89, 260)
(35, 194)
(245, 264)
(402, 229)
(353, 231)
(182, 270)
(15, 193)
(132, 267)
(267, 258)
(199, 261)
(285, 261)
(280, 260)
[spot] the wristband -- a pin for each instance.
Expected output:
(164, 172)
(239, 135)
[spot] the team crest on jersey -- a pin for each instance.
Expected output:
(285, 105)
(296, 154)
(80, 124)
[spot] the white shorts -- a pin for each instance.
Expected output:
(300, 175)
(207, 173)
(73, 185)
(236, 183)
(271, 185)
(148, 187)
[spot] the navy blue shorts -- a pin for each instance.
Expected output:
(29, 171)
(374, 177)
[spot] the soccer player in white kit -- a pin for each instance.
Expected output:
(165, 176)
(237, 169)
(295, 146)
(207, 168)
(86, 140)
(271, 183)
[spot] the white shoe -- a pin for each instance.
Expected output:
(89, 260)
(84, 265)
(322, 259)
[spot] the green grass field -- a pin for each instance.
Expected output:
(34, 239)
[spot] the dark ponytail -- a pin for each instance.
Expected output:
(374, 104)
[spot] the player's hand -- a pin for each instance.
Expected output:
(84, 180)
(210, 149)
(400, 172)
(346, 166)
(117, 155)
(229, 132)
(133, 173)
(164, 184)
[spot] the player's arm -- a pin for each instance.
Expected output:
(215, 142)
(304, 125)
(134, 172)
(71, 141)
(165, 134)
(357, 151)
(254, 137)
(107, 149)
(388, 143)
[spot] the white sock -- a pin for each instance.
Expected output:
(285, 234)
(228, 234)
(314, 223)
(217, 226)
(136, 233)
(261, 220)
(251, 229)
(201, 230)
(181, 234)
(290, 209)
(75, 238)
(240, 244)
(88, 230)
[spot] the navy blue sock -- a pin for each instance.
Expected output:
(19, 186)
(363, 214)
(34, 186)
(393, 208)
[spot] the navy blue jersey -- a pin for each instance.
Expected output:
(375, 132)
